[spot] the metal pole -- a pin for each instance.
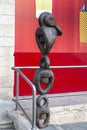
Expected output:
(17, 88)
(52, 67)
(34, 98)
(69, 67)
(34, 111)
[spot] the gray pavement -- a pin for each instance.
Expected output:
(5, 121)
(54, 100)
(7, 129)
(75, 126)
(63, 99)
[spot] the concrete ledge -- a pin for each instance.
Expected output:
(64, 108)
(20, 123)
(75, 126)
(6, 124)
(5, 106)
(68, 114)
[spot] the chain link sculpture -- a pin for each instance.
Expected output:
(45, 36)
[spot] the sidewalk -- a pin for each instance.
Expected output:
(67, 110)
(75, 126)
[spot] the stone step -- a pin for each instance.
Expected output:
(21, 123)
(53, 127)
(75, 126)
(5, 121)
(7, 129)
(64, 108)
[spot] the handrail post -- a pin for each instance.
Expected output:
(34, 109)
(34, 95)
(17, 88)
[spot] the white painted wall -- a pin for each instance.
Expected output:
(7, 25)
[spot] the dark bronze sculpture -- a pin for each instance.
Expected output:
(44, 76)
(45, 36)
(43, 112)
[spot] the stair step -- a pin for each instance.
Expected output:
(53, 127)
(5, 122)
(75, 126)
(7, 129)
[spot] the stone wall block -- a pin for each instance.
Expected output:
(6, 30)
(6, 41)
(7, 2)
(6, 93)
(6, 51)
(7, 34)
(7, 9)
(6, 19)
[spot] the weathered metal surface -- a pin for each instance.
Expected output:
(40, 74)
(45, 36)
(43, 116)
(46, 19)
(44, 62)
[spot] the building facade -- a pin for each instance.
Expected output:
(18, 23)
(7, 29)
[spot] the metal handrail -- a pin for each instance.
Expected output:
(19, 72)
(52, 67)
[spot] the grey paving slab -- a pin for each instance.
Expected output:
(5, 106)
(75, 126)
(7, 129)
(50, 127)
(56, 100)
(53, 127)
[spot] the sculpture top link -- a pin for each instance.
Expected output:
(47, 32)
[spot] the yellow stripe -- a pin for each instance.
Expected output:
(43, 4)
(83, 27)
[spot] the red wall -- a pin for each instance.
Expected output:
(67, 49)
(66, 80)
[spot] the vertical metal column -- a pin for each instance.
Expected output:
(34, 110)
(34, 96)
(17, 89)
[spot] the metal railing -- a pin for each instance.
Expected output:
(19, 72)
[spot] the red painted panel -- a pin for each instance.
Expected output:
(66, 13)
(26, 24)
(66, 80)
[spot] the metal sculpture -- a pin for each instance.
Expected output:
(43, 112)
(44, 76)
(45, 36)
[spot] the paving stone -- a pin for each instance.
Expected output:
(75, 126)
(53, 127)
(5, 106)
(20, 123)
(56, 109)
(7, 129)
